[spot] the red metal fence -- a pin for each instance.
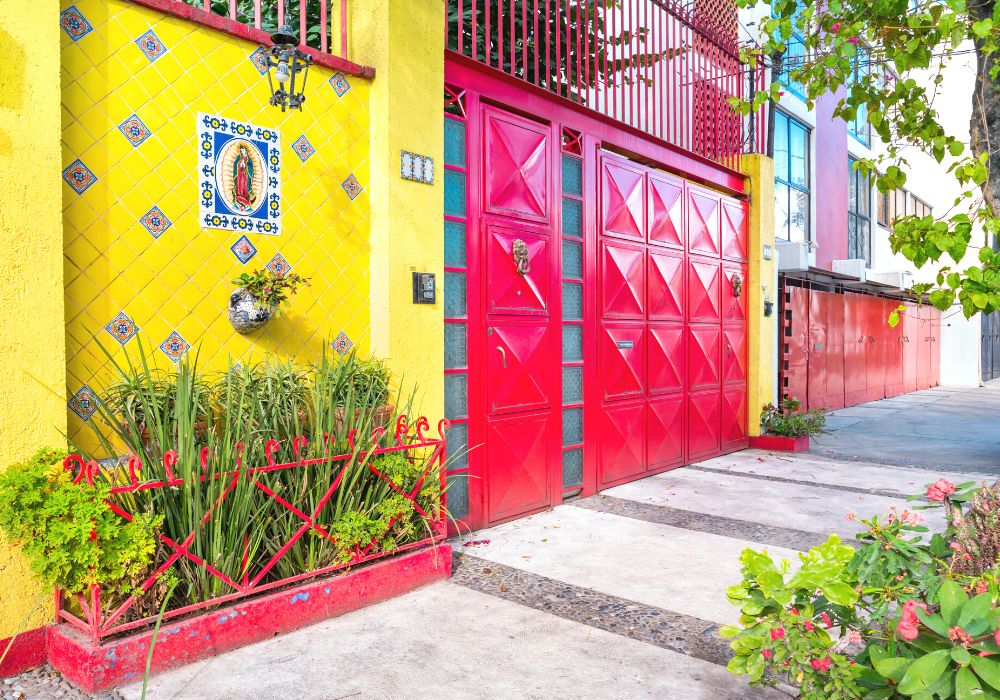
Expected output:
(660, 66)
(408, 438)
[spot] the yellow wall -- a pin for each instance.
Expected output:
(404, 42)
(33, 381)
(763, 372)
(182, 280)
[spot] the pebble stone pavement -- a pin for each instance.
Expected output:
(46, 683)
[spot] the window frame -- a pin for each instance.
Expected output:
(856, 216)
(862, 135)
(794, 87)
(785, 178)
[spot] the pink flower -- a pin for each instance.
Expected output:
(821, 664)
(940, 489)
(907, 631)
(793, 611)
(854, 637)
(835, 27)
(853, 40)
(808, 625)
(767, 653)
(957, 634)
(982, 587)
(777, 633)
(955, 547)
(826, 618)
(907, 627)
(850, 516)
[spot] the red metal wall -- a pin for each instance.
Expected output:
(838, 349)
(830, 183)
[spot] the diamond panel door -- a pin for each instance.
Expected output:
(665, 432)
(519, 271)
(704, 424)
(734, 416)
(622, 361)
(517, 168)
(623, 280)
(703, 222)
(734, 355)
(666, 211)
(703, 357)
(704, 285)
(734, 230)
(665, 285)
(517, 455)
(623, 199)
(818, 352)
(518, 366)
(665, 359)
(622, 441)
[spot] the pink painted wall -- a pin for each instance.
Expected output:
(830, 184)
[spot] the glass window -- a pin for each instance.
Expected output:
(795, 53)
(859, 223)
(791, 179)
(882, 200)
(859, 127)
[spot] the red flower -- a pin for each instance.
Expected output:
(908, 621)
(777, 633)
(821, 664)
(982, 587)
(957, 634)
(853, 40)
(826, 618)
(835, 27)
(767, 653)
(940, 489)
(808, 625)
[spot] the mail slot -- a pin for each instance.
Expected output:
(626, 344)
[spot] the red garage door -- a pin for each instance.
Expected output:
(672, 339)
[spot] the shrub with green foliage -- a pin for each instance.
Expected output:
(69, 535)
(787, 420)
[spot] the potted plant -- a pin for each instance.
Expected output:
(259, 296)
(785, 427)
(367, 387)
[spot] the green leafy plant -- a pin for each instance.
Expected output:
(893, 618)
(787, 420)
(69, 535)
(271, 289)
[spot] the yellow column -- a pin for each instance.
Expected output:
(404, 42)
(762, 330)
(32, 320)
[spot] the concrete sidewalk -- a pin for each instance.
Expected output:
(943, 427)
(616, 596)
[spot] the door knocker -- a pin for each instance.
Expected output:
(737, 282)
(519, 250)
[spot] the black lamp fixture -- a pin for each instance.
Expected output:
(284, 65)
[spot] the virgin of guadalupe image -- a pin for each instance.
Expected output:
(243, 173)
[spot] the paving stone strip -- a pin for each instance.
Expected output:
(668, 630)
(703, 522)
(802, 482)
(46, 683)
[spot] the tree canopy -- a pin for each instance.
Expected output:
(906, 46)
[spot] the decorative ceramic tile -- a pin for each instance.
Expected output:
(340, 84)
(155, 221)
(122, 328)
(342, 344)
(174, 346)
(303, 148)
(84, 403)
(352, 187)
(79, 176)
(418, 168)
(134, 130)
(239, 168)
(243, 249)
(259, 59)
(74, 23)
(151, 46)
(279, 265)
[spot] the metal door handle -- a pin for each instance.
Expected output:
(503, 356)
(861, 339)
(871, 338)
(729, 350)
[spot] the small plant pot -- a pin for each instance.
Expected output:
(247, 313)
(780, 443)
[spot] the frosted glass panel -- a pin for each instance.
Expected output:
(457, 495)
(572, 217)
(454, 193)
(572, 384)
(572, 302)
(454, 295)
(572, 426)
(456, 396)
(455, 356)
(454, 244)
(572, 175)
(458, 444)
(572, 260)
(572, 344)
(454, 143)
(572, 467)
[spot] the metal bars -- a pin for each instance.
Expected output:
(665, 68)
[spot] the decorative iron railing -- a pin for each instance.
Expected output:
(99, 621)
(660, 66)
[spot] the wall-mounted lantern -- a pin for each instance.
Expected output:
(284, 66)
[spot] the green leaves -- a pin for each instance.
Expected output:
(951, 598)
(923, 673)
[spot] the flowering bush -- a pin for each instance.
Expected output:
(787, 420)
(900, 616)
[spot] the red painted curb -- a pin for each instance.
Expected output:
(119, 661)
(27, 652)
(779, 443)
